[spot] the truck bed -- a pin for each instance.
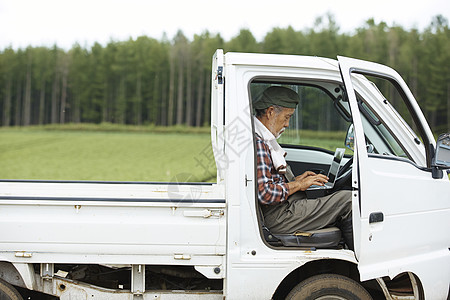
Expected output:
(112, 223)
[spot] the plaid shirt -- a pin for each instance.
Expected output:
(272, 187)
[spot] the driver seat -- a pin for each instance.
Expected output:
(326, 238)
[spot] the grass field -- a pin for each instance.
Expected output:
(109, 152)
(121, 153)
(323, 139)
(73, 153)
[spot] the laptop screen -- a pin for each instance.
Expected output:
(334, 168)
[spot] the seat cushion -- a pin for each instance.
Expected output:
(322, 238)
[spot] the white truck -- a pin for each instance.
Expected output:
(144, 240)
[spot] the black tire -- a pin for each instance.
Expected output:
(8, 292)
(327, 287)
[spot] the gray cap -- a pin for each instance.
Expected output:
(277, 95)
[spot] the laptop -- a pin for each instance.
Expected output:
(332, 173)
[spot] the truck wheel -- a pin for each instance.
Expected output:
(8, 292)
(328, 286)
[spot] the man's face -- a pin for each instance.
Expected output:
(278, 120)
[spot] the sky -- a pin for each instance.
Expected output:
(66, 22)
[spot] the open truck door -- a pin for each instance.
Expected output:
(400, 212)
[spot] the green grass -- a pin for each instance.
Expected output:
(92, 153)
(110, 127)
(323, 139)
(110, 152)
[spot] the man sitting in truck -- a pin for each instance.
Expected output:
(284, 203)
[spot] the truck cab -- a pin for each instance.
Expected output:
(150, 240)
(400, 208)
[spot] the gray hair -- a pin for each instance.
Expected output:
(261, 112)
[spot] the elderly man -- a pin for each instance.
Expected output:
(284, 203)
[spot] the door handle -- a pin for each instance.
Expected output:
(376, 217)
(206, 213)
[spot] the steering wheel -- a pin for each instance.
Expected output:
(345, 173)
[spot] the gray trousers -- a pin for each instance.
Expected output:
(300, 213)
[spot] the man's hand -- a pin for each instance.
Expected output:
(304, 175)
(304, 181)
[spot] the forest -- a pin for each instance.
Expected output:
(145, 81)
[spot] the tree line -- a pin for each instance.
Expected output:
(167, 82)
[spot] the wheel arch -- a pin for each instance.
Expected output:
(347, 269)
(316, 267)
(404, 282)
(19, 274)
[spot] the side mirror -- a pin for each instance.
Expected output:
(442, 155)
(441, 159)
(350, 138)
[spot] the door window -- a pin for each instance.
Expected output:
(320, 120)
(393, 115)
